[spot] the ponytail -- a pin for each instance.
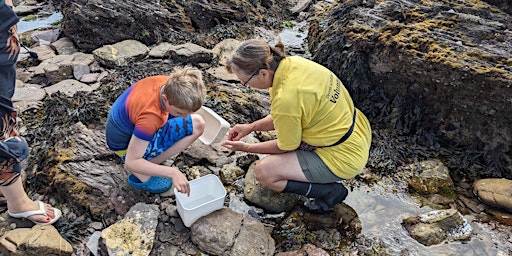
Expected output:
(256, 54)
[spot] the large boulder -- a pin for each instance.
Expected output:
(93, 23)
(426, 69)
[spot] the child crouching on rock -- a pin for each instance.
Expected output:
(153, 121)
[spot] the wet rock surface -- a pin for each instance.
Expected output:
(437, 226)
(71, 166)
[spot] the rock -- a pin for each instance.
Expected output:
(504, 5)
(90, 78)
(64, 46)
(199, 151)
(325, 231)
(266, 198)
(29, 92)
(94, 23)
(61, 67)
(36, 241)
(494, 192)
(307, 249)
(225, 232)
(161, 50)
(120, 54)
(190, 53)
(93, 243)
(300, 6)
(91, 179)
(80, 70)
(46, 37)
(431, 177)
(231, 172)
(134, 235)
(503, 217)
(253, 239)
(222, 74)
(436, 226)
(474, 205)
(404, 56)
(58, 68)
(44, 52)
(223, 50)
(68, 87)
(22, 10)
(85, 22)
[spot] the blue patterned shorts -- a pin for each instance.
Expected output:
(175, 129)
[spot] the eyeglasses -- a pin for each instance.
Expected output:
(253, 74)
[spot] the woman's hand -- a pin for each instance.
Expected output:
(239, 131)
(235, 145)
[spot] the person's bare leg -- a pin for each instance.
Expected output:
(274, 171)
(18, 201)
(198, 128)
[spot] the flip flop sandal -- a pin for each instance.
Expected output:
(41, 211)
(154, 185)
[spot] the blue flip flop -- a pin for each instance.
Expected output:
(154, 185)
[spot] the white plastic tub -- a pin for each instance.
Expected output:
(216, 127)
(207, 195)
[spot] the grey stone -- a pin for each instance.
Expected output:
(121, 54)
(68, 87)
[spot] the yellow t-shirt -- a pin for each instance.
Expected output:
(309, 103)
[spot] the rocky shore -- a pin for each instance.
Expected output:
(64, 97)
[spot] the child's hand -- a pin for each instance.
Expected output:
(181, 183)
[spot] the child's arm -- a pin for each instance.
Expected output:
(136, 164)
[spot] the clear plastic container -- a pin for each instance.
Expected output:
(207, 195)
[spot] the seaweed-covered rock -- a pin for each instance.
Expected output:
(438, 67)
(93, 23)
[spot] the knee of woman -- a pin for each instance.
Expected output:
(259, 172)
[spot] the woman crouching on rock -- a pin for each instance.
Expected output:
(322, 138)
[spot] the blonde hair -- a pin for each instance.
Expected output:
(185, 89)
(255, 54)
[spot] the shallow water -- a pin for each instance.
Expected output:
(42, 22)
(381, 212)
(294, 38)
